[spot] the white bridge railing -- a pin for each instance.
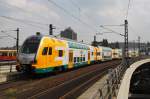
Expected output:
(110, 87)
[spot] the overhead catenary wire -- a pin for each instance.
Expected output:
(28, 22)
(112, 31)
(75, 4)
(127, 13)
(21, 9)
(73, 16)
(132, 29)
(7, 34)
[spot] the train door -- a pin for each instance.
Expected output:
(45, 56)
(50, 57)
(88, 57)
(70, 64)
(95, 54)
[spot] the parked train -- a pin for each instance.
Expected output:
(8, 55)
(42, 54)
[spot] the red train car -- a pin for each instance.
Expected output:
(8, 55)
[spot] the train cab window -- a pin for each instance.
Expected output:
(31, 45)
(45, 51)
(50, 51)
(60, 52)
(75, 59)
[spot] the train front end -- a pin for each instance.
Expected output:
(27, 54)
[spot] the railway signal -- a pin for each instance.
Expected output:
(51, 27)
(17, 40)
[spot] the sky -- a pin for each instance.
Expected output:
(84, 16)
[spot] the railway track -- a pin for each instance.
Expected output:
(71, 89)
(26, 89)
(44, 87)
(61, 89)
(40, 88)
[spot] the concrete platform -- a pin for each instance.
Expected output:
(7, 73)
(7, 69)
(9, 76)
(93, 89)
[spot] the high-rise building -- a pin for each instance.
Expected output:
(69, 33)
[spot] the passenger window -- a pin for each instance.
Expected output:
(83, 58)
(14, 54)
(78, 59)
(50, 51)
(60, 53)
(45, 51)
(75, 59)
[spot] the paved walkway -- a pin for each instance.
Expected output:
(93, 89)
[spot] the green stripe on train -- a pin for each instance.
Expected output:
(52, 69)
(49, 69)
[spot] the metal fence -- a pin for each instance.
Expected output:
(111, 85)
(6, 67)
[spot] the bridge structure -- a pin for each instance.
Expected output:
(118, 82)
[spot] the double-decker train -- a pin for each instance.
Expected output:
(43, 54)
(7, 55)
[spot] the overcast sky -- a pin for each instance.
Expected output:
(84, 16)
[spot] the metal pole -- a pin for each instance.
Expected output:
(17, 40)
(50, 29)
(126, 44)
(139, 45)
(125, 47)
(134, 48)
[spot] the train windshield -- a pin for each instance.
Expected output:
(31, 45)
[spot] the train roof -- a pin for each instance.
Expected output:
(8, 50)
(71, 43)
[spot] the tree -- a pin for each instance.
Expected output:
(105, 43)
(117, 45)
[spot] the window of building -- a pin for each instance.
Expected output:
(50, 51)
(45, 51)
(60, 53)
